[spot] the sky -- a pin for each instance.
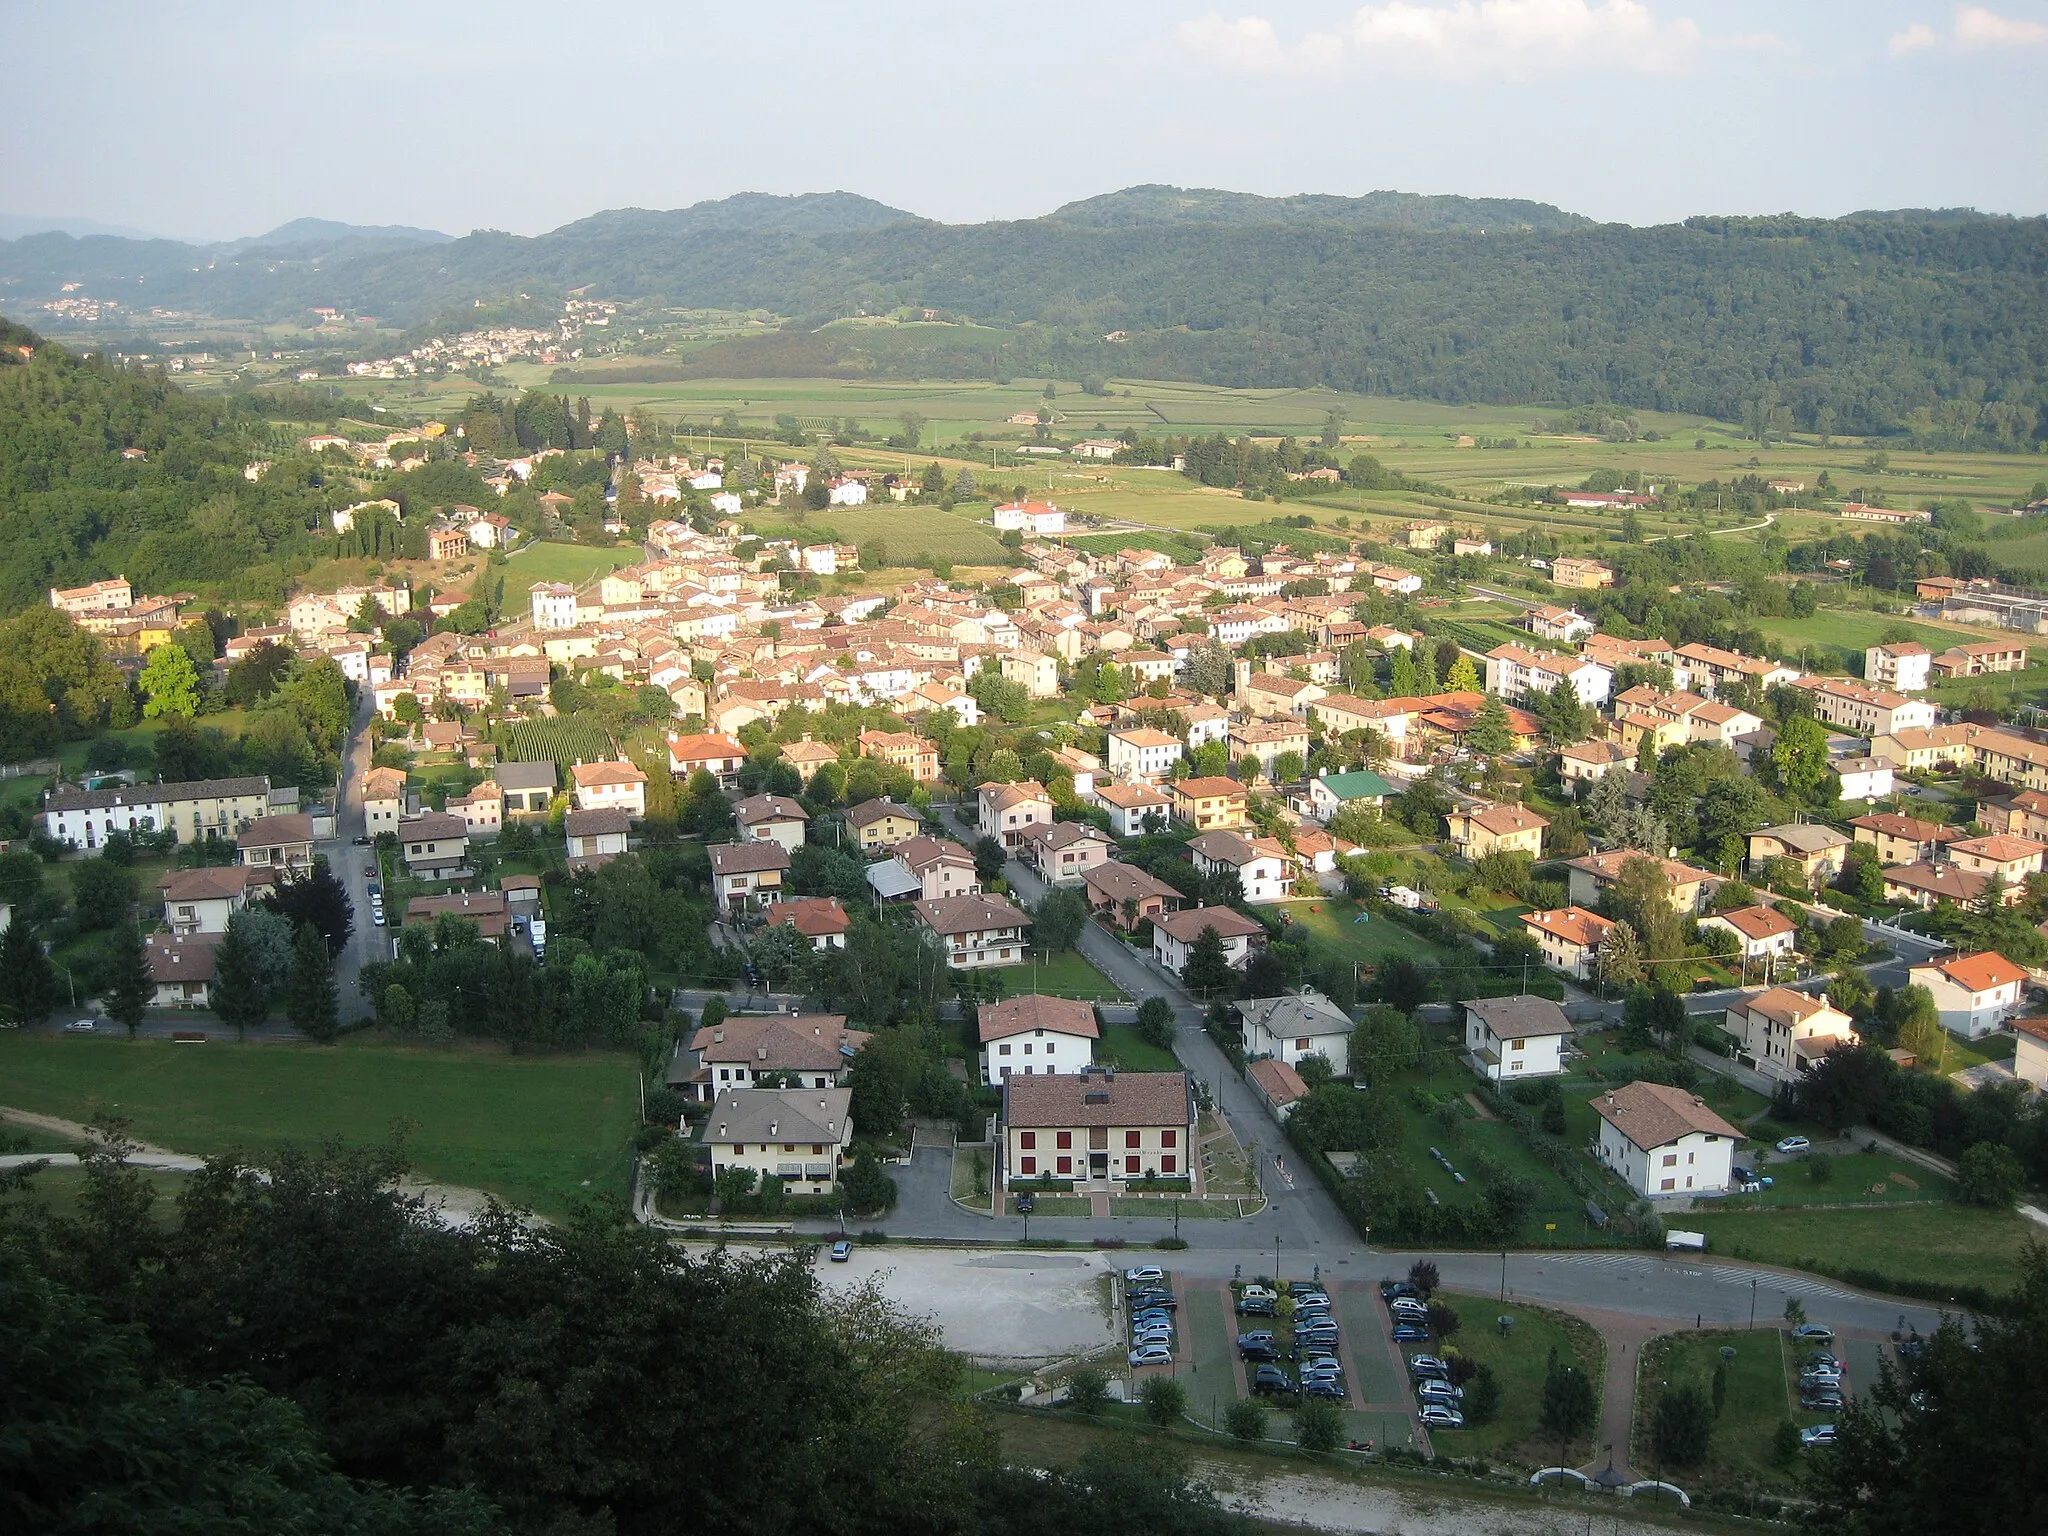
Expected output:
(212, 120)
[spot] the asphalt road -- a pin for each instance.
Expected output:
(354, 866)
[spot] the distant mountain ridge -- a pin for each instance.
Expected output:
(332, 232)
(1158, 204)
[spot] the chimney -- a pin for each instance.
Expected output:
(760, 1053)
(718, 1037)
(773, 1127)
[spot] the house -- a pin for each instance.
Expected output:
(278, 842)
(808, 756)
(592, 837)
(1587, 762)
(1974, 993)
(1553, 623)
(882, 823)
(529, 788)
(435, 846)
(2012, 859)
(1267, 695)
(1903, 839)
(1328, 793)
(1586, 575)
(719, 756)
(797, 1135)
(1131, 806)
(1901, 666)
(1035, 1036)
(202, 900)
(747, 874)
(974, 931)
(1034, 519)
(1008, 810)
(1425, 534)
(383, 800)
(1761, 933)
(554, 605)
(931, 867)
(1862, 710)
(1926, 885)
(1590, 877)
(1817, 850)
(1517, 674)
(771, 818)
(1295, 1026)
(610, 786)
(490, 911)
(1138, 752)
(1262, 866)
(1265, 741)
(1665, 1141)
(1278, 1084)
(1035, 672)
(820, 919)
(903, 749)
(1782, 1033)
(2022, 815)
(2030, 1052)
(192, 809)
(181, 965)
(447, 543)
(1570, 938)
(482, 810)
(803, 1050)
(1098, 1127)
(1864, 778)
(1063, 851)
(1125, 895)
(1211, 803)
(1708, 669)
(1510, 1038)
(1980, 658)
(1174, 935)
(1485, 829)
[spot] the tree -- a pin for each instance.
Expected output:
(1058, 920)
(1156, 1022)
(869, 1191)
(1569, 1404)
(1989, 1174)
(1425, 1277)
(1403, 985)
(1463, 676)
(1482, 1396)
(315, 897)
(1621, 957)
(1683, 1425)
(1383, 1042)
(130, 986)
(989, 858)
(1318, 1425)
(1208, 972)
(1491, 735)
(237, 994)
(101, 894)
(1566, 719)
(169, 683)
(1087, 1391)
(1800, 759)
(1246, 1419)
(1165, 1400)
(310, 1002)
(28, 982)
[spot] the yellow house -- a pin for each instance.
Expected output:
(883, 823)
(1497, 829)
(1208, 804)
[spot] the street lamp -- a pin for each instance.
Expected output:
(1276, 1261)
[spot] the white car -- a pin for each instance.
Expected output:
(1151, 1354)
(1143, 1272)
(79, 1027)
(1819, 1434)
(1437, 1416)
(1256, 1292)
(1792, 1144)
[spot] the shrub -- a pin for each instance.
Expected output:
(1682, 1425)
(1165, 1400)
(1087, 1391)
(1245, 1419)
(1318, 1426)
(1482, 1396)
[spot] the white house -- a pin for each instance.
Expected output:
(181, 965)
(1329, 793)
(974, 931)
(1508, 1038)
(797, 1135)
(1139, 752)
(1261, 864)
(591, 837)
(1782, 1033)
(808, 1050)
(771, 819)
(1292, 1027)
(1864, 778)
(1901, 667)
(1570, 938)
(1130, 805)
(202, 900)
(1008, 809)
(1665, 1141)
(1975, 993)
(610, 786)
(554, 605)
(1553, 623)
(1027, 1036)
(1516, 673)
(1174, 935)
(2030, 1053)
(1762, 932)
(1034, 519)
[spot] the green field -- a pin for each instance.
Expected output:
(1067, 974)
(1927, 1244)
(61, 1191)
(1519, 1360)
(573, 563)
(535, 1130)
(561, 739)
(1329, 920)
(1758, 1398)
(1829, 639)
(1124, 1048)
(962, 536)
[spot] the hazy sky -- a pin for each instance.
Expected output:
(213, 120)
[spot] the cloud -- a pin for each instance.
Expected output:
(1514, 38)
(1975, 27)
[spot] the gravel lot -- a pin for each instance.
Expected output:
(1019, 1306)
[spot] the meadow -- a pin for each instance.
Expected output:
(538, 1130)
(573, 563)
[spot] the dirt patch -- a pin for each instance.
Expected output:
(1480, 1109)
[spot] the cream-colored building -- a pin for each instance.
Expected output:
(1098, 1127)
(82, 818)
(798, 1135)
(1782, 1033)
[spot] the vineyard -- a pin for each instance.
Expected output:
(1478, 635)
(1184, 550)
(562, 740)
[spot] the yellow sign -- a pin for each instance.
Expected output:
(1550, 1226)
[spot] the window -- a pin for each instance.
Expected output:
(1027, 1164)
(1516, 1045)
(1166, 1163)
(1131, 1164)
(1048, 1047)
(1066, 1165)
(1002, 1050)
(1301, 1044)
(789, 1146)
(1669, 1184)
(1169, 1138)
(1027, 1048)
(1066, 1140)
(817, 1149)
(1029, 1139)
(1670, 1159)
(1131, 1138)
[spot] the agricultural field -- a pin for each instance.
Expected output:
(573, 563)
(539, 1130)
(962, 536)
(561, 739)
(1836, 638)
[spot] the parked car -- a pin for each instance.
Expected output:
(1147, 1336)
(1257, 1306)
(1440, 1416)
(1315, 1330)
(1433, 1390)
(1258, 1352)
(1403, 1307)
(1427, 1365)
(1822, 1357)
(1821, 1402)
(1145, 1299)
(1256, 1292)
(1271, 1381)
(361, 840)
(1323, 1386)
(841, 1251)
(1256, 1336)
(1144, 1272)
(1300, 1288)
(1389, 1289)
(1026, 1204)
(79, 1027)
(1322, 1365)
(1408, 1333)
(1151, 1354)
(1819, 1434)
(1814, 1333)
(1794, 1144)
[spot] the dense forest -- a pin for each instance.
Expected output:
(1850, 325)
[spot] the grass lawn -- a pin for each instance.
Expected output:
(964, 1176)
(1066, 974)
(1124, 1048)
(142, 737)
(1931, 1244)
(62, 1190)
(1757, 1401)
(1831, 636)
(1861, 1178)
(538, 1130)
(963, 536)
(573, 563)
(1052, 1205)
(1518, 1361)
(1329, 920)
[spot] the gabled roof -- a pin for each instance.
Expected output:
(1000, 797)
(1980, 972)
(747, 858)
(1804, 837)
(1021, 1015)
(1130, 797)
(1574, 925)
(917, 854)
(1998, 848)
(1055, 835)
(870, 811)
(432, 827)
(816, 1042)
(277, 831)
(596, 823)
(1505, 820)
(1356, 784)
(1295, 1014)
(759, 808)
(1120, 882)
(182, 958)
(1208, 788)
(213, 882)
(1516, 1018)
(1187, 926)
(969, 914)
(1098, 1097)
(525, 776)
(779, 1115)
(1654, 1115)
(595, 775)
(1787, 1006)
(1757, 922)
(1910, 828)
(812, 916)
(1281, 1084)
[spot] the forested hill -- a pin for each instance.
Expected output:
(1392, 210)
(1868, 319)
